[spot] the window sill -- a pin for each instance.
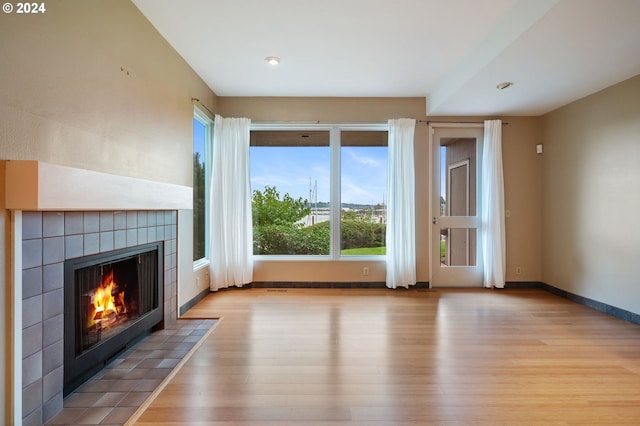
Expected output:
(200, 264)
(292, 258)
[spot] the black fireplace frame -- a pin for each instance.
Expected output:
(79, 368)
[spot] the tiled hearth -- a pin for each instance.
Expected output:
(48, 239)
(116, 392)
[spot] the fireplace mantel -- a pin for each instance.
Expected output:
(40, 186)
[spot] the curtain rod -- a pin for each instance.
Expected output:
(456, 122)
(338, 123)
(362, 122)
(203, 106)
(328, 123)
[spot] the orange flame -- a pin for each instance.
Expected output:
(102, 298)
(106, 305)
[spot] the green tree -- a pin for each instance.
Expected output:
(348, 214)
(278, 226)
(198, 207)
(269, 209)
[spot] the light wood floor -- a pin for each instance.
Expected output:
(398, 357)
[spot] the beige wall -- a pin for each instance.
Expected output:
(91, 84)
(522, 182)
(591, 197)
(522, 194)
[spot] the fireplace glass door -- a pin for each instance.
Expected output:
(110, 297)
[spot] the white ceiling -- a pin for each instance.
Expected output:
(453, 52)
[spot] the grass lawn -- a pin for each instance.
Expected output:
(366, 251)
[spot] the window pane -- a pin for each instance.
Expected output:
(290, 183)
(199, 138)
(458, 177)
(363, 186)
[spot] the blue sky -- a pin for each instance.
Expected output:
(198, 138)
(292, 169)
(364, 174)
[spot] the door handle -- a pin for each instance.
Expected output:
(435, 221)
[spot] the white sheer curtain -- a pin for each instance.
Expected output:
(231, 246)
(401, 218)
(492, 232)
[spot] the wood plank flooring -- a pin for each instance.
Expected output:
(404, 357)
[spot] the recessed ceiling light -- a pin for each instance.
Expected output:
(504, 85)
(272, 60)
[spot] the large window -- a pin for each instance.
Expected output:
(302, 178)
(201, 145)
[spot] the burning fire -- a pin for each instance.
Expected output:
(107, 302)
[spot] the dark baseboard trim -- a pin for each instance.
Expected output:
(522, 284)
(191, 303)
(320, 284)
(594, 304)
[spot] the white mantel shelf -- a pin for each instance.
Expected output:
(39, 186)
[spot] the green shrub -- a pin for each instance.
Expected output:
(291, 239)
(356, 234)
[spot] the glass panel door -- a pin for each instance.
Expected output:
(455, 185)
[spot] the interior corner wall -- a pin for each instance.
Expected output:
(93, 85)
(522, 194)
(192, 283)
(591, 197)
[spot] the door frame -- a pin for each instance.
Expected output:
(432, 187)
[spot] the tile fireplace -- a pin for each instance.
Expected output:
(61, 213)
(53, 242)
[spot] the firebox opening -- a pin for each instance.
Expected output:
(111, 300)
